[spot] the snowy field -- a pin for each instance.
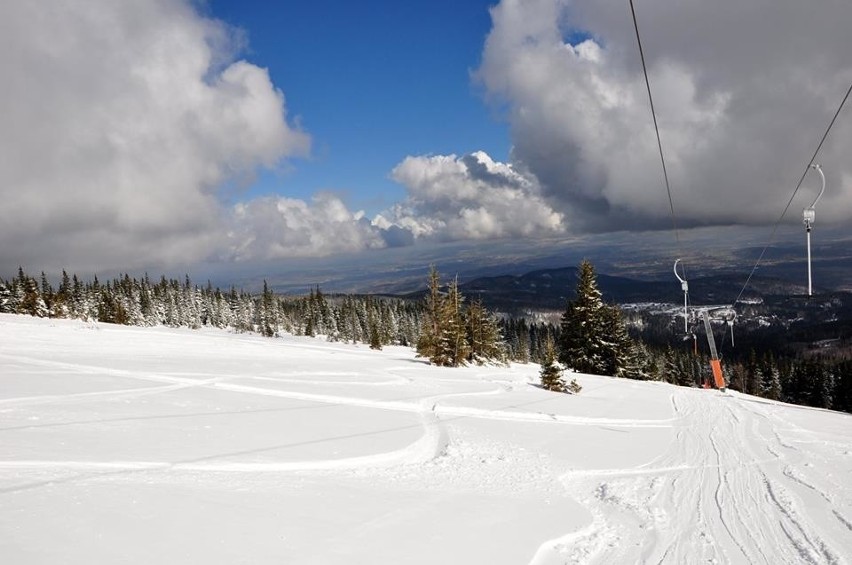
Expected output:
(157, 445)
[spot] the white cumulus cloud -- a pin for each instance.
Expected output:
(275, 227)
(468, 197)
(121, 122)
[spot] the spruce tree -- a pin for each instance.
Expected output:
(770, 378)
(483, 335)
(453, 348)
(621, 356)
(594, 338)
(32, 302)
(551, 372)
(752, 375)
(522, 355)
(843, 386)
(823, 394)
(375, 336)
(6, 306)
(62, 299)
(267, 316)
(581, 345)
(432, 324)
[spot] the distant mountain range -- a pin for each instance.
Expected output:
(632, 267)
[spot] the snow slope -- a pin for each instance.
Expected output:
(157, 445)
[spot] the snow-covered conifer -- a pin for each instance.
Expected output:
(583, 345)
(551, 372)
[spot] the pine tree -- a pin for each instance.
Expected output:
(594, 338)
(582, 346)
(551, 372)
(375, 337)
(809, 383)
(46, 295)
(79, 307)
(770, 378)
(32, 302)
(649, 362)
(483, 335)
(432, 327)
(522, 355)
(453, 348)
(6, 306)
(62, 299)
(843, 386)
(621, 356)
(823, 395)
(752, 375)
(268, 318)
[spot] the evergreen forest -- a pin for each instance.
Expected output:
(446, 328)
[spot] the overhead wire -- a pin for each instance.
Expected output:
(666, 175)
(659, 140)
(792, 196)
(656, 126)
(789, 203)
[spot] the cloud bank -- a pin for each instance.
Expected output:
(743, 93)
(122, 120)
(125, 120)
(275, 227)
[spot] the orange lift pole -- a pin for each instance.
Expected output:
(715, 363)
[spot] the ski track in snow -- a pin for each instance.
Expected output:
(220, 383)
(431, 444)
(704, 500)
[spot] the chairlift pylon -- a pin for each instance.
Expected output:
(809, 215)
(726, 314)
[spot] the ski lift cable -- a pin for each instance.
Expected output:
(656, 129)
(792, 196)
(683, 280)
(729, 326)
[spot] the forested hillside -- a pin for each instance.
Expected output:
(655, 353)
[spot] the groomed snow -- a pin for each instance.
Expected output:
(157, 445)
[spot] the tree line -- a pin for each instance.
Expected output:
(809, 381)
(170, 302)
(462, 333)
(593, 337)
(445, 327)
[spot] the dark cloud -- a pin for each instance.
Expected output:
(395, 236)
(743, 93)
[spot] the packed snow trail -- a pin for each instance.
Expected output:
(176, 446)
(733, 487)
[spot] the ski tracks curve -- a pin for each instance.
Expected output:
(731, 487)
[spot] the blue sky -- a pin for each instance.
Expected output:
(372, 82)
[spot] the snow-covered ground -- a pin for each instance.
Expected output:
(157, 445)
